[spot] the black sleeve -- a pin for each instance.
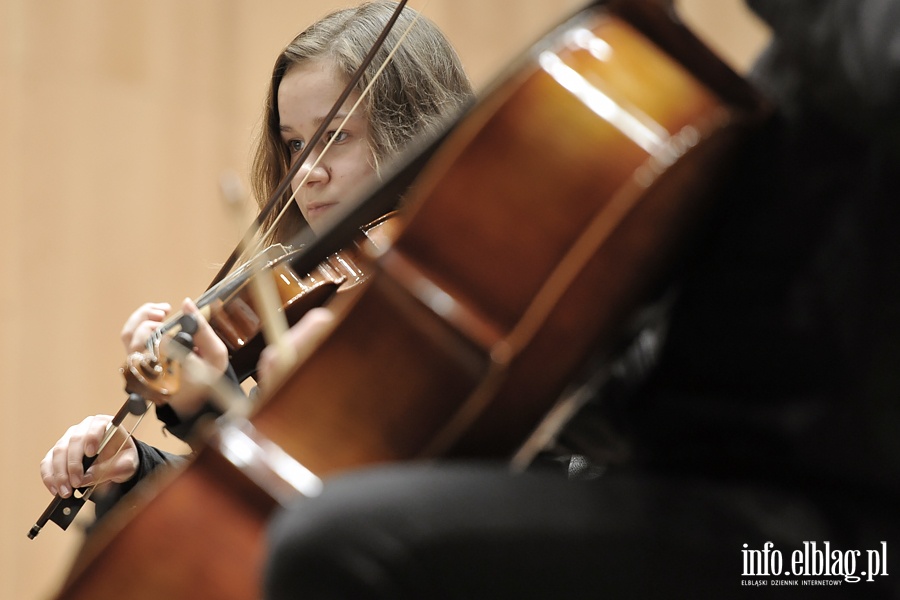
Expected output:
(149, 458)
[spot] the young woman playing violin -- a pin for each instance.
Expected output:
(421, 86)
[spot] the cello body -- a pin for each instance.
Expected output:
(553, 210)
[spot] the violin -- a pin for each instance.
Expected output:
(155, 374)
(232, 311)
(549, 215)
(240, 325)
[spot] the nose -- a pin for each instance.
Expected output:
(311, 173)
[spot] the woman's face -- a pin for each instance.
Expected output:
(306, 94)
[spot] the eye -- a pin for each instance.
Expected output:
(295, 146)
(337, 136)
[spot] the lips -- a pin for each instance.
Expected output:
(317, 208)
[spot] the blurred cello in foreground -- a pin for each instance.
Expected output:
(545, 218)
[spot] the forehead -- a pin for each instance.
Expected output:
(308, 90)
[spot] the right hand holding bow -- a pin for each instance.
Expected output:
(62, 470)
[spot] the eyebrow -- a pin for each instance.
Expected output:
(317, 121)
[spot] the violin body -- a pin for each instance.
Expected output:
(237, 321)
(233, 314)
(552, 211)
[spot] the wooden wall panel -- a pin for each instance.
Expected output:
(117, 119)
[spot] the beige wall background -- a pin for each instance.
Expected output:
(117, 120)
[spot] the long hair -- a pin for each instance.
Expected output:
(421, 86)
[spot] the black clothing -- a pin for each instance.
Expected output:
(783, 348)
(475, 531)
(149, 458)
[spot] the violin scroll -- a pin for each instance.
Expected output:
(156, 375)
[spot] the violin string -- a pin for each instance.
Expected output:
(153, 342)
(350, 113)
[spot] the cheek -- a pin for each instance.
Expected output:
(357, 169)
(365, 160)
(297, 201)
(293, 192)
(366, 173)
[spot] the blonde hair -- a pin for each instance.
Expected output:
(421, 86)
